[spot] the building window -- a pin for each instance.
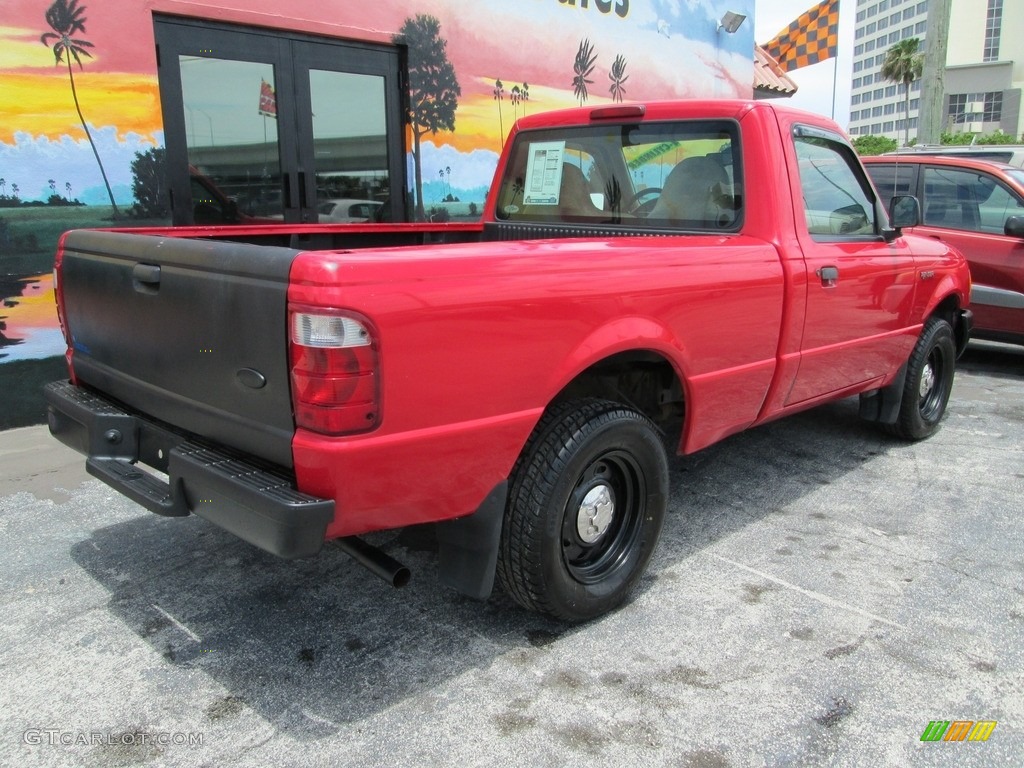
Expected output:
(855, 99)
(915, 103)
(920, 28)
(922, 7)
(858, 66)
(894, 37)
(876, 112)
(882, 24)
(879, 92)
(972, 107)
(879, 59)
(908, 13)
(993, 29)
(887, 127)
(858, 49)
(890, 108)
(890, 91)
(907, 32)
(857, 82)
(869, 45)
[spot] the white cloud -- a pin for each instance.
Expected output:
(31, 161)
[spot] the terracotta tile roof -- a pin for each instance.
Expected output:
(770, 81)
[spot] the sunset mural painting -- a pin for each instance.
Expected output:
(82, 136)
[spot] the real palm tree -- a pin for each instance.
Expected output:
(618, 77)
(582, 68)
(903, 64)
(66, 19)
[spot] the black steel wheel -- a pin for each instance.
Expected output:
(929, 382)
(585, 510)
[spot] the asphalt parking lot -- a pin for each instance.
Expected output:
(822, 592)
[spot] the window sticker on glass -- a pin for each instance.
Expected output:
(544, 173)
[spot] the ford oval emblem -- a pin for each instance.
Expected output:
(251, 378)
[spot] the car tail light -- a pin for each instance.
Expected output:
(335, 371)
(58, 295)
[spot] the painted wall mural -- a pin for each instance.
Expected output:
(80, 121)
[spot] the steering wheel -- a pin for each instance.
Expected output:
(644, 208)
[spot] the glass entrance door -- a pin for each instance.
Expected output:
(264, 127)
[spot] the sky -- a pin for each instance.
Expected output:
(814, 82)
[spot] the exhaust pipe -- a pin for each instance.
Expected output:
(374, 560)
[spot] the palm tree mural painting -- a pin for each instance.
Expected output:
(903, 64)
(66, 19)
(499, 92)
(433, 88)
(448, 173)
(3, 186)
(514, 96)
(583, 68)
(618, 77)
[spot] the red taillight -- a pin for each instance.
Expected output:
(58, 295)
(335, 373)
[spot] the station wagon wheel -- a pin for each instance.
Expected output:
(585, 510)
(929, 382)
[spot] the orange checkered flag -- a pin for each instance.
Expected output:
(811, 38)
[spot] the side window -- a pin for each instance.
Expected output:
(835, 200)
(892, 180)
(967, 200)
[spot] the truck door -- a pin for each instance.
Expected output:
(860, 287)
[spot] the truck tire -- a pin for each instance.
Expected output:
(585, 510)
(929, 382)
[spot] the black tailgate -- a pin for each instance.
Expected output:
(189, 331)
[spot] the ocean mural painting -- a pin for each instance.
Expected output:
(81, 122)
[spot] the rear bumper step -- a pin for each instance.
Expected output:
(254, 501)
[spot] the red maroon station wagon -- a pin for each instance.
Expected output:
(976, 206)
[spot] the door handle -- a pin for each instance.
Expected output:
(828, 275)
(146, 278)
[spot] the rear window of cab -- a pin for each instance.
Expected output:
(679, 176)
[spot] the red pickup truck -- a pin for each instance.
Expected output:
(643, 276)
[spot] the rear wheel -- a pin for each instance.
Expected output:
(929, 382)
(585, 510)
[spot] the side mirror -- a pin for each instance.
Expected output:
(904, 211)
(1014, 226)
